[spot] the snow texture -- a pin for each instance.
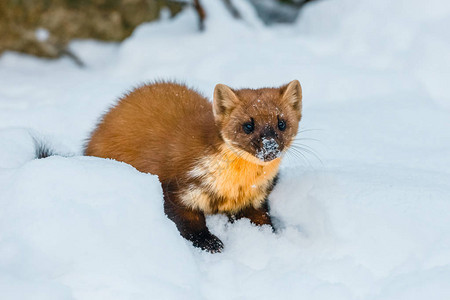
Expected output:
(269, 150)
(369, 222)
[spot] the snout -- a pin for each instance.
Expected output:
(269, 150)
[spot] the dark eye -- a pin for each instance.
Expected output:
(249, 127)
(282, 125)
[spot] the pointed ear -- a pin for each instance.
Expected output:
(225, 100)
(293, 94)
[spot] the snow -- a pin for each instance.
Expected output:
(269, 150)
(42, 34)
(369, 220)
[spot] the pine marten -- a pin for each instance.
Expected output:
(210, 158)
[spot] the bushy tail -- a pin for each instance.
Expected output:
(41, 150)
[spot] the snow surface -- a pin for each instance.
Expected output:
(370, 221)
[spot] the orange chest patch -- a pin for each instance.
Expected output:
(235, 179)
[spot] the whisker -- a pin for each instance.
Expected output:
(305, 146)
(309, 129)
(308, 150)
(297, 155)
(305, 139)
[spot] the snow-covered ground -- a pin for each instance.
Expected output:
(371, 220)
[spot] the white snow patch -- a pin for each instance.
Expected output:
(270, 148)
(42, 34)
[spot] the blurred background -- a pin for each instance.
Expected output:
(45, 27)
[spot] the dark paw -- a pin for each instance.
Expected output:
(207, 241)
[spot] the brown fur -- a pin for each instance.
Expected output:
(205, 161)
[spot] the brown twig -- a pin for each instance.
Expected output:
(201, 14)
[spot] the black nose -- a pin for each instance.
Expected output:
(268, 132)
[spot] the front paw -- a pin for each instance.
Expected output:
(207, 241)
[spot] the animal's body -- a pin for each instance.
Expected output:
(210, 158)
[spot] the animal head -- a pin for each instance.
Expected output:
(258, 124)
